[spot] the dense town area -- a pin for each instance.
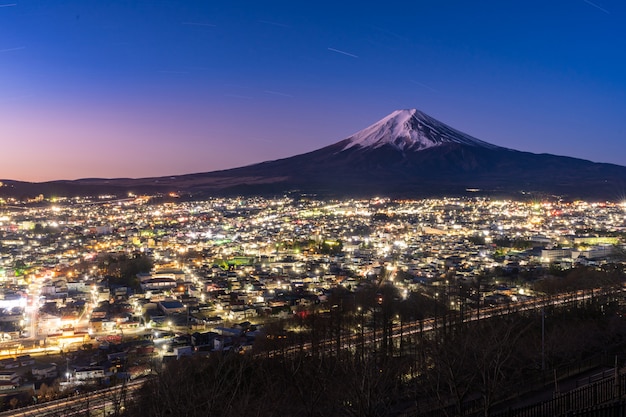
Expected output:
(101, 290)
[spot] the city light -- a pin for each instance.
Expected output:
(271, 263)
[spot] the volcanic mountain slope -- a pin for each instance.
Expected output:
(406, 154)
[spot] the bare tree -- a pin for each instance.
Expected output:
(371, 386)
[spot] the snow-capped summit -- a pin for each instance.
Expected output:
(411, 130)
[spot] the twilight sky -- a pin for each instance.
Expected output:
(92, 88)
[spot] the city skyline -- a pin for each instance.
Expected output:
(116, 90)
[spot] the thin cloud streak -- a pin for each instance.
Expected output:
(596, 6)
(19, 48)
(424, 85)
(8, 5)
(388, 32)
(343, 52)
(277, 93)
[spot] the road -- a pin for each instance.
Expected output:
(102, 402)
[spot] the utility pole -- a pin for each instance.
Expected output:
(543, 339)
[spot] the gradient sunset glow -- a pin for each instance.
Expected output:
(138, 89)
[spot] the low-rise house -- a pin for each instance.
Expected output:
(8, 385)
(25, 360)
(241, 314)
(10, 376)
(158, 283)
(172, 307)
(89, 373)
(551, 255)
(100, 325)
(9, 363)
(44, 370)
(595, 252)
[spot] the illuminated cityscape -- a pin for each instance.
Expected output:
(218, 263)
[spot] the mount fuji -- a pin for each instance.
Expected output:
(411, 130)
(406, 154)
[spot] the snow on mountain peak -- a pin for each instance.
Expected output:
(411, 130)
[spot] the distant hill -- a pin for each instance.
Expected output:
(406, 154)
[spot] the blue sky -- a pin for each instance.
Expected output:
(143, 88)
